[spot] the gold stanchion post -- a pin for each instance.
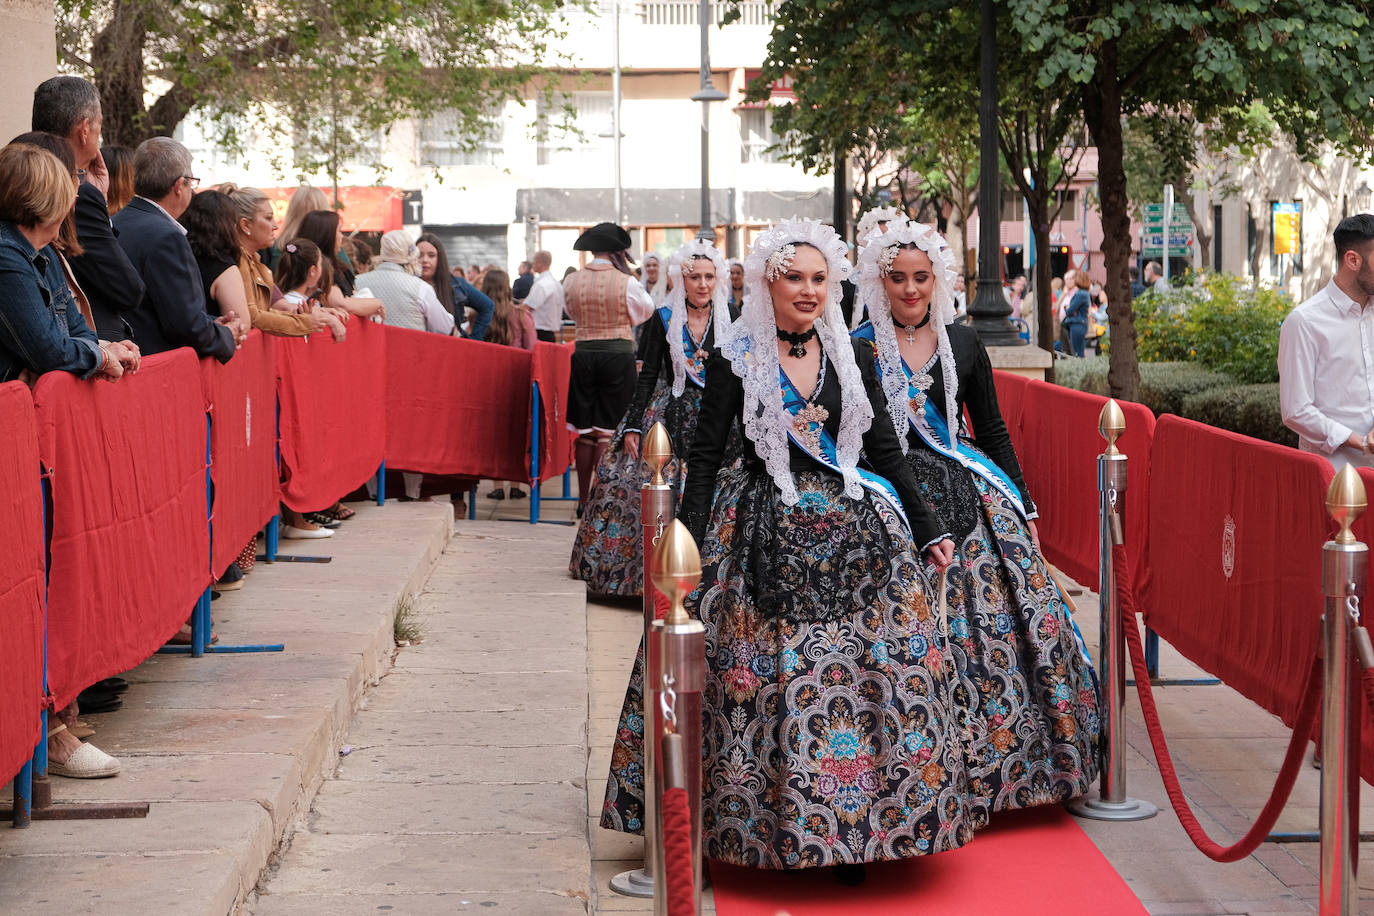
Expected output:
(655, 511)
(1345, 562)
(681, 645)
(1112, 803)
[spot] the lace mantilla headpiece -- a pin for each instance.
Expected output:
(752, 348)
(659, 291)
(875, 263)
(868, 223)
(677, 301)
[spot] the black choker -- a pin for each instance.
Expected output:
(911, 329)
(798, 341)
(698, 308)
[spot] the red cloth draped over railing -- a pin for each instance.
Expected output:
(552, 371)
(456, 406)
(333, 413)
(1236, 528)
(241, 396)
(21, 581)
(1011, 398)
(129, 536)
(1059, 449)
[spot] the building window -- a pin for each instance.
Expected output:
(585, 139)
(442, 143)
(757, 136)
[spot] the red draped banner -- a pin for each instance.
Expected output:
(1011, 397)
(1236, 529)
(333, 413)
(21, 581)
(552, 371)
(129, 536)
(456, 406)
(241, 396)
(1061, 445)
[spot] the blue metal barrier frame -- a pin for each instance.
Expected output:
(536, 486)
(1152, 666)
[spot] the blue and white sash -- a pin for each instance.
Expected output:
(809, 434)
(696, 365)
(929, 423)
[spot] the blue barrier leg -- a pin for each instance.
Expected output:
(200, 617)
(1152, 665)
(381, 484)
(22, 813)
(567, 483)
(536, 432)
(40, 751)
(472, 502)
(273, 540)
(1152, 652)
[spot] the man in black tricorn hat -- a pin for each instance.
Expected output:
(606, 302)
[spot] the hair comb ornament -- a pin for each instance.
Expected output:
(779, 261)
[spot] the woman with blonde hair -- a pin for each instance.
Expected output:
(304, 199)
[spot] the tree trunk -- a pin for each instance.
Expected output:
(1102, 112)
(117, 57)
(1201, 237)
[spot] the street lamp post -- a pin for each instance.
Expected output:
(615, 112)
(706, 94)
(989, 310)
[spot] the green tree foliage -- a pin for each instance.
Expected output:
(1310, 63)
(339, 72)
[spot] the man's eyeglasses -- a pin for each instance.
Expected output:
(192, 180)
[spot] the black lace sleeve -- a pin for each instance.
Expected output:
(989, 429)
(885, 455)
(720, 406)
(653, 350)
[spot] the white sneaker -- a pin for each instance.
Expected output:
(305, 534)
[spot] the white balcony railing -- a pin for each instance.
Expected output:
(684, 12)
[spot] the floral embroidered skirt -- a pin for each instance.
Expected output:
(829, 733)
(608, 552)
(1027, 692)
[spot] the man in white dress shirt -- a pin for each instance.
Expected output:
(545, 299)
(1326, 356)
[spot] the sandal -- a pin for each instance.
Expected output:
(341, 512)
(323, 519)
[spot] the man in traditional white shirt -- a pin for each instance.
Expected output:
(545, 299)
(1326, 356)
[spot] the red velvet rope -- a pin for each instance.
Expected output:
(679, 878)
(1292, 762)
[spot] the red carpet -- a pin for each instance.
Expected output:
(1027, 863)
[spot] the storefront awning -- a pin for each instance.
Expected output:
(363, 209)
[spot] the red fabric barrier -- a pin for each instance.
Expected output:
(21, 580)
(1011, 398)
(1236, 529)
(241, 396)
(1059, 450)
(552, 371)
(456, 406)
(333, 413)
(129, 535)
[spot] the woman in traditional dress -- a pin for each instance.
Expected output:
(608, 552)
(829, 733)
(1026, 691)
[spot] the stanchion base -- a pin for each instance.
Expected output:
(1132, 809)
(633, 884)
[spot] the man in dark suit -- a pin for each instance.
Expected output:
(172, 313)
(69, 107)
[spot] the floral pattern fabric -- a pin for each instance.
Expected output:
(1026, 693)
(830, 733)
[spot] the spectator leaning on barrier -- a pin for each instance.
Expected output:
(545, 299)
(1326, 355)
(255, 229)
(41, 330)
(172, 313)
(337, 285)
(69, 107)
(410, 302)
(212, 231)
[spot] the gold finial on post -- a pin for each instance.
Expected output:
(1111, 423)
(1345, 502)
(657, 451)
(676, 569)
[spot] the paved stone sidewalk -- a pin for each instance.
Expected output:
(463, 790)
